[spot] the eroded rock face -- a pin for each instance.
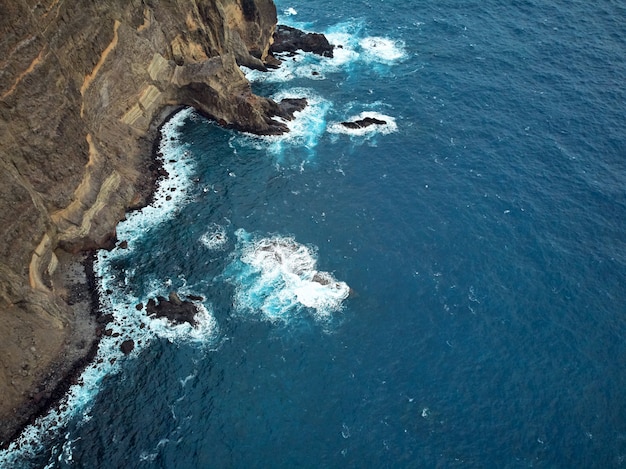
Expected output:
(83, 87)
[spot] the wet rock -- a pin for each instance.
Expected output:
(321, 279)
(176, 311)
(290, 105)
(362, 123)
(288, 39)
(175, 299)
(127, 346)
(105, 318)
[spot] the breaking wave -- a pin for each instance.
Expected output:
(277, 277)
(351, 48)
(215, 238)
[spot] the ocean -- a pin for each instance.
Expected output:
(444, 290)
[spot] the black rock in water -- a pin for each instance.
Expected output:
(174, 309)
(288, 39)
(365, 122)
(127, 346)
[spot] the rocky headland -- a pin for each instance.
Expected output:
(83, 88)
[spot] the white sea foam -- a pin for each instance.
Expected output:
(127, 323)
(277, 277)
(390, 125)
(382, 49)
(290, 11)
(301, 65)
(215, 237)
(351, 44)
(171, 191)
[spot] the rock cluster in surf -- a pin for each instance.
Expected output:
(174, 309)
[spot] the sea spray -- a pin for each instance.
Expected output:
(352, 49)
(277, 277)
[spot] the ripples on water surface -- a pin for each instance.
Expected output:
(480, 234)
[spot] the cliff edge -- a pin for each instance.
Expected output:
(83, 87)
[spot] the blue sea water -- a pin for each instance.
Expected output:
(447, 290)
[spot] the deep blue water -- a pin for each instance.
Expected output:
(482, 234)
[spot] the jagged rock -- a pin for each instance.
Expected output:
(177, 312)
(362, 123)
(288, 39)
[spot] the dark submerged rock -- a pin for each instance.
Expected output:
(288, 39)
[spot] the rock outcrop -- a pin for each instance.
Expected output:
(362, 123)
(177, 311)
(289, 40)
(83, 88)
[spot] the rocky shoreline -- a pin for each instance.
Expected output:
(75, 275)
(75, 278)
(96, 132)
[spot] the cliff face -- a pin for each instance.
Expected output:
(83, 86)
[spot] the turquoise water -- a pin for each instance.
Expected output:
(472, 312)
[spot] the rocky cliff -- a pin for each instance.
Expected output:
(83, 87)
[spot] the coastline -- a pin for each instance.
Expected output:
(79, 152)
(75, 281)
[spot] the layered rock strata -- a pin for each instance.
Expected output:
(83, 87)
